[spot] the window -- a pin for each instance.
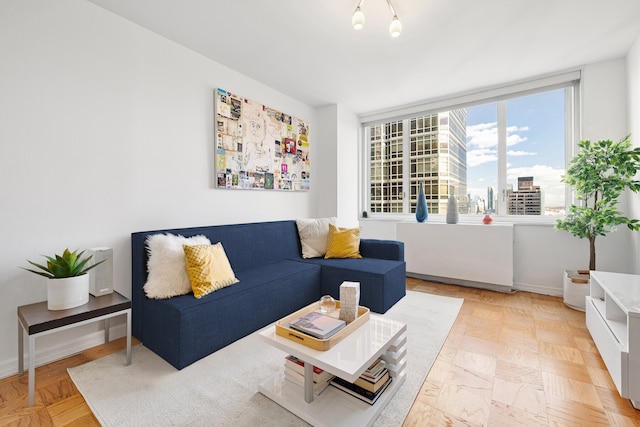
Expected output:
(502, 153)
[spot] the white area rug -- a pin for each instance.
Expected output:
(222, 389)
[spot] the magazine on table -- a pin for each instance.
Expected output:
(318, 325)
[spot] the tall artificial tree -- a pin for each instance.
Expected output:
(599, 174)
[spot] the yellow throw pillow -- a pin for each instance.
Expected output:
(208, 268)
(343, 242)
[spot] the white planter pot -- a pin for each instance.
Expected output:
(68, 292)
(575, 293)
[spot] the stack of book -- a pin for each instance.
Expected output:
(294, 373)
(318, 325)
(371, 384)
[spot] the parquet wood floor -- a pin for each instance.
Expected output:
(518, 359)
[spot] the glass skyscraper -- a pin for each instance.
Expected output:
(437, 156)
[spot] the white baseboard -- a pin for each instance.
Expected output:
(517, 286)
(538, 289)
(461, 282)
(52, 353)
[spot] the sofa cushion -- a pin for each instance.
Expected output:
(208, 268)
(313, 236)
(167, 273)
(343, 242)
(185, 329)
(382, 281)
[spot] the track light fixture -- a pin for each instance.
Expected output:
(357, 20)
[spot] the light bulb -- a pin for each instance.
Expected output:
(396, 27)
(357, 20)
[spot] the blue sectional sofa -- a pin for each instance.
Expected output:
(274, 280)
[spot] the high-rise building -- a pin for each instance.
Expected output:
(491, 207)
(527, 200)
(437, 157)
(386, 167)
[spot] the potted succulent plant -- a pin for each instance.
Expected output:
(68, 281)
(599, 173)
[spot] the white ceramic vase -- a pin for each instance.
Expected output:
(575, 290)
(67, 293)
(452, 210)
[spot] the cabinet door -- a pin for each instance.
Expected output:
(616, 359)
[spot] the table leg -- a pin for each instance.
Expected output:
(128, 337)
(32, 369)
(20, 349)
(308, 382)
(107, 325)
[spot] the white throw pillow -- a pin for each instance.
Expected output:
(313, 236)
(167, 271)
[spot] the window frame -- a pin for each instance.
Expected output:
(569, 80)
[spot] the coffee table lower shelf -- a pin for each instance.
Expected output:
(332, 407)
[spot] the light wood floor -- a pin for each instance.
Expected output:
(517, 359)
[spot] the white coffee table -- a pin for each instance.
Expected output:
(379, 337)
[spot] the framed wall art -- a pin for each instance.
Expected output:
(258, 147)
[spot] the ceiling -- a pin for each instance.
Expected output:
(308, 50)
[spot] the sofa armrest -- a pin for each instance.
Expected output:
(382, 249)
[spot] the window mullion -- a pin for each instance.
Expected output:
(571, 129)
(502, 158)
(406, 168)
(366, 168)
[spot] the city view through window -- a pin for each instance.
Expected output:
(460, 152)
(535, 155)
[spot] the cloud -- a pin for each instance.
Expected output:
(542, 174)
(482, 142)
(514, 139)
(520, 153)
(485, 135)
(511, 129)
(481, 156)
(481, 126)
(482, 135)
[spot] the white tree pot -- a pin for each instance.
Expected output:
(575, 293)
(68, 292)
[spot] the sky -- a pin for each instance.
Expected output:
(535, 145)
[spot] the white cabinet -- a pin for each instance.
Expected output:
(613, 319)
(474, 253)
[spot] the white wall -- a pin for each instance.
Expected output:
(337, 180)
(107, 129)
(604, 100)
(326, 177)
(633, 83)
(347, 165)
(542, 253)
